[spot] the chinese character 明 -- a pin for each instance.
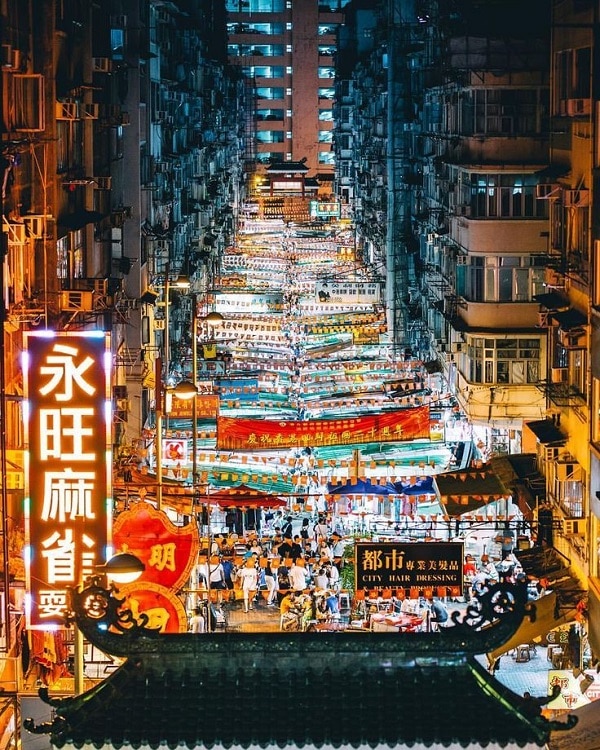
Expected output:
(68, 494)
(64, 372)
(162, 556)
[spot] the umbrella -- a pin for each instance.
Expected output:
(423, 486)
(361, 487)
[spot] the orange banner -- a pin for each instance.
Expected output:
(387, 427)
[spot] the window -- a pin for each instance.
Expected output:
(326, 157)
(264, 92)
(263, 71)
(325, 136)
(505, 111)
(259, 50)
(269, 114)
(511, 278)
(510, 361)
(326, 72)
(503, 195)
(269, 136)
(326, 115)
(69, 145)
(326, 93)
(255, 6)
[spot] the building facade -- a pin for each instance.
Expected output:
(286, 53)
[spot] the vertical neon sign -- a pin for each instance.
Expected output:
(67, 469)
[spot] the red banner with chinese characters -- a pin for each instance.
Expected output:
(392, 426)
(67, 466)
(168, 552)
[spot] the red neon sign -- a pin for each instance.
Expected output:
(67, 471)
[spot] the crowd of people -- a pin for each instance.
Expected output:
(286, 564)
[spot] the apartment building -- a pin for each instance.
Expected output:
(120, 165)
(495, 273)
(285, 51)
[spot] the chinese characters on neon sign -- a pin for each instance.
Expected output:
(67, 434)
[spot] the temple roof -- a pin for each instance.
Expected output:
(277, 689)
(273, 695)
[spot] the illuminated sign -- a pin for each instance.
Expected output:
(67, 466)
(414, 565)
(321, 210)
(348, 292)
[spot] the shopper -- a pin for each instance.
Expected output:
(248, 575)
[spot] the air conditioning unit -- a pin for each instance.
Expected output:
(76, 301)
(579, 107)
(35, 225)
(576, 198)
(10, 58)
(91, 111)
(102, 65)
(547, 191)
(543, 320)
(17, 233)
(573, 339)
(574, 526)
(559, 374)
(67, 110)
(103, 183)
(568, 471)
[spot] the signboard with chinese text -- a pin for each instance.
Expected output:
(168, 552)
(413, 565)
(348, 292)
(163, 610)
(67, 466)
(321, 209)
(252, 434)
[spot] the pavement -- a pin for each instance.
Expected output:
(531, 676)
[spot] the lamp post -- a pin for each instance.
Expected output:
(121, 568)
(162, 374)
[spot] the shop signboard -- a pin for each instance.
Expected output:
(410, 565)
(68, 504)
(322, 209)
(348, 292)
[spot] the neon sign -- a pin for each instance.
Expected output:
(67, 466)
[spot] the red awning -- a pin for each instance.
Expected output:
(243, 496)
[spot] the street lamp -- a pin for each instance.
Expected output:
(181, 282)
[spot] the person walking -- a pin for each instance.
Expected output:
(248, 575)
(271, 584)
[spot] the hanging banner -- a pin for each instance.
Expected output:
(68, 466)
(416, 565)
(252, 434)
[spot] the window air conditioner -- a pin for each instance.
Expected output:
(574, 526)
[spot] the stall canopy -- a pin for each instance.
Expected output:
(361, 487)
(422, 486)
(246, 497)
(468, 490)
